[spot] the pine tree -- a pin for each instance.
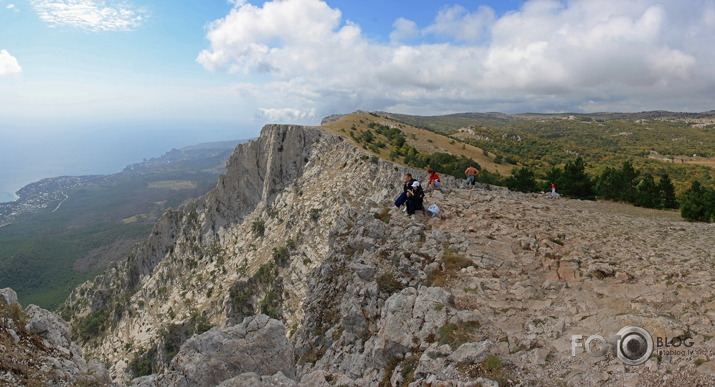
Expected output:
(698, 203)
(629, 181)
(619, 184)
(609, 184)
(575, 181)
(649, 194)
(667, 191)
(522, 180)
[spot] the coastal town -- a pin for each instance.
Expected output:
(39, 195)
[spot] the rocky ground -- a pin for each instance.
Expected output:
(548, 269)
(518, 276)
(36, 349)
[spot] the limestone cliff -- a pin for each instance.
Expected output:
(36, 350)
(302, 228)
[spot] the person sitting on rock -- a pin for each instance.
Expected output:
(407, 184)
(415, 195)
(434, 181)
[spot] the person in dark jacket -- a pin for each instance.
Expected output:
(415, 195)
(407, 184)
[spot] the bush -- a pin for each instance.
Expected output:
(92, 325)
(698, 203)
(386, 283)
(270, 305)
(456, 334)
(258, 227)
(522, 180)
(142, 365)
(281, 256)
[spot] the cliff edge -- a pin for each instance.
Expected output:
(302, 230)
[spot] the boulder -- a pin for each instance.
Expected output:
(8, 296)
(49, 326)
(257, 346)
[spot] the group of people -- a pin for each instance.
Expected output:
(413, 195)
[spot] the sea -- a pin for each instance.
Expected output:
(29, 156)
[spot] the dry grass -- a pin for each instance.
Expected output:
(452, 263)
(423, 140)
(22, 361)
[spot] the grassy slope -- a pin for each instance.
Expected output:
(424, 140)
(603, 140)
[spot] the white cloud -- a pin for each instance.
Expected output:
(90, 15)
(404, 29)
(549, 55)
(287, 115)
(8, 64)
(458, 23)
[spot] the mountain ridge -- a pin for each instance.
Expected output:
(302, 228)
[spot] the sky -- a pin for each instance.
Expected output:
(206, 70)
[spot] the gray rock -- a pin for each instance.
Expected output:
(8, 296)
(364, 271)
(258, 345)
(471, 352)
(98, 371)
(317, 378)
(252, 379)
(49, 326)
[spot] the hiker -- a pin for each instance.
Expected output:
(471, 173)
(553, 189)
(434, 182)
(407, 184)
(415, 195)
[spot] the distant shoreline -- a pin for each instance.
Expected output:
(8, 197)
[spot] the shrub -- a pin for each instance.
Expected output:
(258, 227)
(270, 304)
(281, 256)
(387, 283)
(451, 264)
(456, 334)
(384, 215)
(93, 324)
(142, 365)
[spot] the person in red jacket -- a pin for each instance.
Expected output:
(434, 182)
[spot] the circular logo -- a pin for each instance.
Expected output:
(634, 346)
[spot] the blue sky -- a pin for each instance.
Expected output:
(220, 69)
(69, 63)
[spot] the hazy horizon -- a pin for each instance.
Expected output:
(27, 157)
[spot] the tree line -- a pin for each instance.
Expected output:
(625, 184)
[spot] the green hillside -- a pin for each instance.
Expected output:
(46, 252)
(679, 144)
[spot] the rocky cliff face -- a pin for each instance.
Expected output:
(301, 231)
(36, 349)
